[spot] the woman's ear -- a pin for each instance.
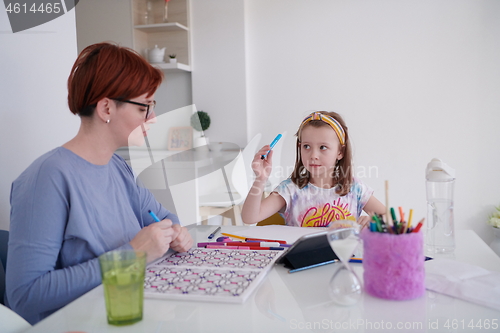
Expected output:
(104, 109)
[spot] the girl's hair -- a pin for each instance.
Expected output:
(107, 70)
(300, 175)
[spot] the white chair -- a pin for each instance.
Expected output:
(228, 203)
(11, 322)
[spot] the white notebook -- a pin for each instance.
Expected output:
(208, 274)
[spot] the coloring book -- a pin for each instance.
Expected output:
(208, 274)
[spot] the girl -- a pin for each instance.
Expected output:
(321, 189)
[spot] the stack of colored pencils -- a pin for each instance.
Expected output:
(245, 243)
(397, 227)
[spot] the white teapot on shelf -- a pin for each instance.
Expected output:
(156, 54)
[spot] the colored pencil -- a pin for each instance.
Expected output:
(401, 214)
(254, 239)
(387, 216)
(410, 218)
(234, 236)
(419, 225)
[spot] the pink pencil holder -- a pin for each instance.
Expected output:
(393, 265)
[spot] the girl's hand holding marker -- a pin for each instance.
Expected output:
(262, 163)
(271, 146)
(262, 167)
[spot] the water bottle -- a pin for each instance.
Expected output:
(440, 235)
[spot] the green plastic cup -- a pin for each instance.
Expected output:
(122, 274)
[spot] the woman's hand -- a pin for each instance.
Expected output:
(154, 239)
(182, 240)
(263, 167)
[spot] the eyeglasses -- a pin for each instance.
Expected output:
(149, 107)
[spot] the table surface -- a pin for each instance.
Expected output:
(287, 302)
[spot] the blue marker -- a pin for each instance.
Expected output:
(275, 141)
(212, 235)
(154, 216)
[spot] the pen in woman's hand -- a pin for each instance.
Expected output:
(154, 216)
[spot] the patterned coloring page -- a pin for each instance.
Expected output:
(208, 274)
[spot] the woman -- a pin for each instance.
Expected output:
(80, 200)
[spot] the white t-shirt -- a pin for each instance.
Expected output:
(313, 206)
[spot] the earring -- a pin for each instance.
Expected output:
(303, 171)
(107, 121)
(336, 173)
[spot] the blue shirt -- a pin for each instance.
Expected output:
(65, 212)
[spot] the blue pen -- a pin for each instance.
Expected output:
(275, 141)
(212, 235)
(154, 216)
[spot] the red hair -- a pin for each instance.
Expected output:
(107, 70)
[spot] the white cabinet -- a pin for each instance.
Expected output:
(150, 29)
(124, 23)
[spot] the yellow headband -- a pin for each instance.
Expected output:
(330, 121)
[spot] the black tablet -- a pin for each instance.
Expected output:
(308, 251)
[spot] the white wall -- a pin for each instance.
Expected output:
(34, 116)
(99, 21)
(413, 79)
(219, 78)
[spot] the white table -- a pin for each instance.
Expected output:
(287, 302)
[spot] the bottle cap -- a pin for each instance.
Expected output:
(438, 171)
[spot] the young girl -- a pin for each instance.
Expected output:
(321, 189)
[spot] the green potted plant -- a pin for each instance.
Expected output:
(173, 58)
(200, 121)
(494, 221)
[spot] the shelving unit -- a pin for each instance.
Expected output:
(177, 67)
(173, 34)
(160, 27)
